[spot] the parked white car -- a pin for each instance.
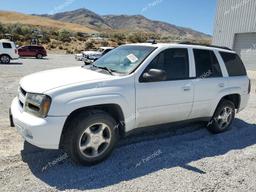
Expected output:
(91, 56)
(87, 110)
(8, 51)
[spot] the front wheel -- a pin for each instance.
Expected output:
(223, 117)
(91, 137)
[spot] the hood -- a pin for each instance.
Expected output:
(51, 79)
(91, 52)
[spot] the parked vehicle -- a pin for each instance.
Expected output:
(90, 57)
(8, 51)
(79, 57)
(87, 110)
(37, 51)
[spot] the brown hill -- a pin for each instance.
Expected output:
(7, 17)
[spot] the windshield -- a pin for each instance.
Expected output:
(124, 59)
(101, 50)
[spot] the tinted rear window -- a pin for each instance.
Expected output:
(40, 48)
(234, 64)
(7, 45)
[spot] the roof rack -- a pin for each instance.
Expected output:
(215, 46)
(152, 41)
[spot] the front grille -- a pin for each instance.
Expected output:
(21, 104)
(22, 96)
(23, 92)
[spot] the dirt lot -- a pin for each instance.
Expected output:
(185, 158)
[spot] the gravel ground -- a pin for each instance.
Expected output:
(181, 158)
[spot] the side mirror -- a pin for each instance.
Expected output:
(154, 75)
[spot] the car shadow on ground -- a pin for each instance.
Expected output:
(139, 156)
(12, 63)
(34, 58)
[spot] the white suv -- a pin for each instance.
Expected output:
(86, 110)
(8, 51)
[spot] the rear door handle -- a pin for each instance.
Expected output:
(221, 85)
(187, 88)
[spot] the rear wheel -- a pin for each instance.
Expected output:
(39, 56)
(91, 137)
(5, 59)
(223, 117)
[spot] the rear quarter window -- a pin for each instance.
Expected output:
(7, 45)
(234, 64)
(38, 48)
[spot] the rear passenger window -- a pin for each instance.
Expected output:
(234, 64)
(174, 62)
(207, 64)
(31, 48)
(7, 45)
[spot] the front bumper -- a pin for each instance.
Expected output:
(41, 132)
(88, 61)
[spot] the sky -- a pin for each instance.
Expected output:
(195, 14)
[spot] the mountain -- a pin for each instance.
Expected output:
(82, 17)
(141, 23)
(7, 17)
(124, 22)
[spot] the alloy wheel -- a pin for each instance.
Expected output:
(5, 59)
(95, 140)
(225, 117)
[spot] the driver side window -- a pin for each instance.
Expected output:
(174, 63)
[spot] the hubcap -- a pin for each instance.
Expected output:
(225, 117)
(95, 140)
(5, 59)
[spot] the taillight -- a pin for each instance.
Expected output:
(249, 87)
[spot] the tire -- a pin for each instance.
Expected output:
(39, 56)
(223, 117)
(91, 137)
(5, 59)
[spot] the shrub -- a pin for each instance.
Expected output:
(64, 35)
(54, 44)
(89, 45)
(2, 28)
(69, 51)
(137, 38)
(119, 36)
(104, 43)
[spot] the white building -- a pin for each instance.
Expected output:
(235, 27)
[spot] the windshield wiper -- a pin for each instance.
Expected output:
(110, 71)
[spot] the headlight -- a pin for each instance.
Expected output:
(37, 104)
